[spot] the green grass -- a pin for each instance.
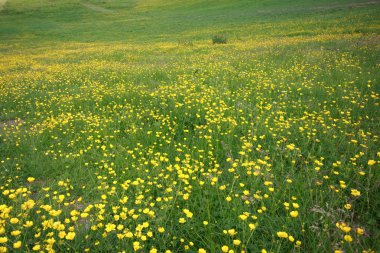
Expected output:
(101, 100)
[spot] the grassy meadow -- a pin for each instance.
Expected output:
(123, 128)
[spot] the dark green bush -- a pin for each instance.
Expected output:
(219, 39)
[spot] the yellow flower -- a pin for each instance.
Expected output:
(360, 231)
(17, 245)
(243, 217)
(228, 199)
(282, 234)
(55, 212)
(236, 242)
(224, 248)
(347, 206)
(3, 239)
(201, 250)
(136, 246)
(182, 220)
(161, 229)
(30, 179)
(294, 214)
(37, 247)
(345, 229)
(50, 241)
(343, 226)
(291, 146)
(15, 232)
(28, 204)
(232, 232)
(188, 213)
(129, 234)
(348, 238)
(14, 220)
(61, 198)
(355, 192)
(62, 234)
(371, 162)
(110, 227)
(70, 236)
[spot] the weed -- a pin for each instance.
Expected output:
(219, 39)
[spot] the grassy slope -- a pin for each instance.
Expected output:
(145, 21)
(81, 78)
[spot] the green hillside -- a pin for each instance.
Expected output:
(189, 126)
(146, 21)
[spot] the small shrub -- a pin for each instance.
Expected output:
(219, 39)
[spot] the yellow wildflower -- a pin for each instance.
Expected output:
(282, 234)
(70, 236)
(348, 238)
(17, 245)
(30, 179)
